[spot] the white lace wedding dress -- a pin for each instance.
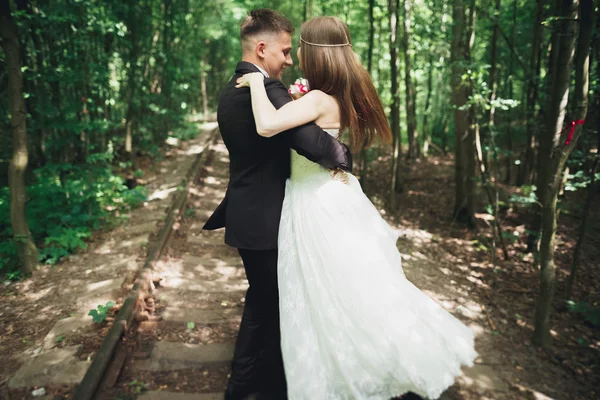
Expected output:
(352, 326)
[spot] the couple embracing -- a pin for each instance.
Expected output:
(328, 302)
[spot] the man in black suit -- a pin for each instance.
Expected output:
(251, 209)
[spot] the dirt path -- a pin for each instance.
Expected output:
(186, 355)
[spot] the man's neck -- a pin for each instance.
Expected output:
(256, 63)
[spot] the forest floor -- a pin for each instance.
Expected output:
(450, 263)
(454, 266)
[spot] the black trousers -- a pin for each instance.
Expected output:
(257, 363)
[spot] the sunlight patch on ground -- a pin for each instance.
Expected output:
(170, 269)
(209, 126)
(194, 149)
(40, 294)
(108, 284)
(221, 148)
(212, 180)
(161, 194)
(106, 247)
(71, 286)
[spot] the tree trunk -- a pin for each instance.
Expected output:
(459, 99)
(582, 231)
(307, 12)
(426, 130)
(26, 250)
(492, 82)
(371, 36)
(203, 89)
(411, 114)
(511, 70)
(528, 164)
(131, 81)
(167, 79)
(396, 187)
(473, 126)
(557, 152)
(364, 162)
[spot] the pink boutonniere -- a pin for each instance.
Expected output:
(299, 88)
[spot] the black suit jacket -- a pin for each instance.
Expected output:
(259, 166)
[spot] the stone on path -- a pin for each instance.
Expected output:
(167, 356)
(180, 396)
(482, 377)
(56, 367)
(210, 316)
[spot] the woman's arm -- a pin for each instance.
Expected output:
(270, 121)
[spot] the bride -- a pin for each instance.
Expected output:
(352, 325)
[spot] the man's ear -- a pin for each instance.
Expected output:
(261, 49)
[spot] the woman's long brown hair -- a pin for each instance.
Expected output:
(338, 72)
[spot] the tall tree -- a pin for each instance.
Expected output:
(554, 149)
(411, 113)
(472, 141)
(492, 77)
(396, 187)
(9, 33)
(364, 170)
(460, 92)
(427, 110)
(528, 164)
(510, 88)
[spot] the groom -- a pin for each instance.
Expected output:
(251, 209)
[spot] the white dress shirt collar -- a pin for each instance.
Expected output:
(262, 70)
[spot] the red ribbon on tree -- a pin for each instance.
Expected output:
(572, 131)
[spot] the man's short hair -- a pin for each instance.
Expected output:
(264, 21)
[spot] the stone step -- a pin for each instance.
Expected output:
(169, 356)
(232, 285)
(56, 367)
(201, 268)
(199, 236)
(180, 396)
(208, 316)
(65, 327)
(185, 299)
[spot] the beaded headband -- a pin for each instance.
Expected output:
(326, 45)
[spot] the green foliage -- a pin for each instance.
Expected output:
(65, 204)
(99, 314)
(137, 386)
(94, 70)
(527, 196)
(590, 313)
(579, 180)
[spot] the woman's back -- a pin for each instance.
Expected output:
(304, 170)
